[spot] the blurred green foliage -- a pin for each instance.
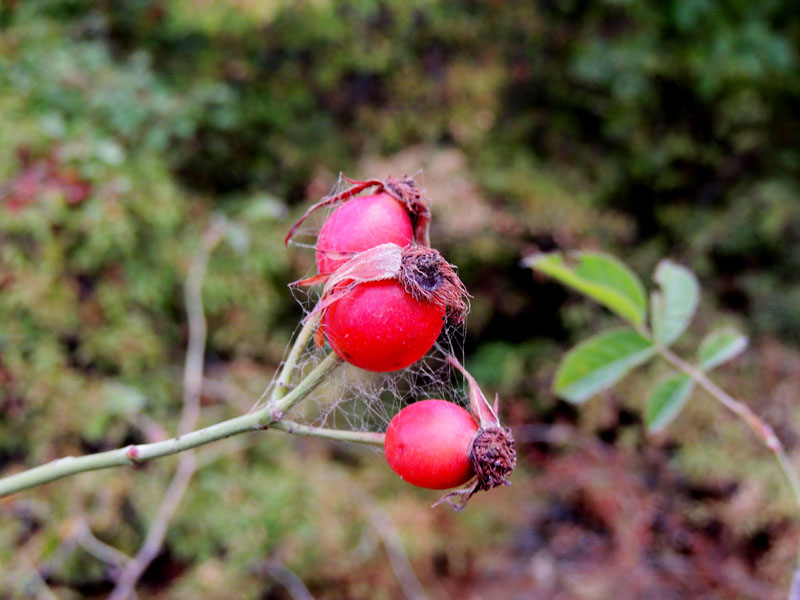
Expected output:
(642, 127)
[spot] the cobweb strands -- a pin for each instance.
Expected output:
(355, 399)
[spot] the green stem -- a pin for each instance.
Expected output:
(135, 454)
(282, 383)
(761, 429)
(359, 437)
(275, 409)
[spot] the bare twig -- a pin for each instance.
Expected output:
(192, 387)
(387, 532)
(764, 432)
(135, 454)
(293, 584)
(194, 364)
(398, 558)
(37, 583)
(100, 550)
(158, 529)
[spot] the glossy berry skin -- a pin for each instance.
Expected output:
(379, 327)
(427, 444)
(359, 224)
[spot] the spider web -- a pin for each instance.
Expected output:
(355, 399)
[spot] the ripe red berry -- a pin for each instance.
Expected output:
(428, 443)
(360, 224)
(378, 326)
(396, 213)
(383, 309)
(437, 444)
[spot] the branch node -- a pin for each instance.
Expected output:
(771, 439)
(132, 454)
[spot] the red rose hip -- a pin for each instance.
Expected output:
(383, 309)
(428, 443)
(396, 213)
(360, 224)
(378, 326)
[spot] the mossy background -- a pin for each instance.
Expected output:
(641, 128)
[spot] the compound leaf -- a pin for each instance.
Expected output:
(599, 362)
(599, 276)
(666, 401)
(720, 346)
(673, 306)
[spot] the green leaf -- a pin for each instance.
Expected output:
(599, 362)
(720, 346)
(667, 400)
(673, 307)
(600, 276)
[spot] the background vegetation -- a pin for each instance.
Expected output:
(642, 128)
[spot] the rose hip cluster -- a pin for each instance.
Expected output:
(385, 300)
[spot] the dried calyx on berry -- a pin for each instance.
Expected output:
(492, 452)
(421, 271)
(426, 275)
(404, 190)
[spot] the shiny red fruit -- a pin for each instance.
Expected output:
(378, 326)
(359, 224)
(427, 444)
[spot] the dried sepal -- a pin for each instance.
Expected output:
(404, 190)
(423, 272)
(458, 499)
(426, 275)
(492, 452)
(481, 409)
(493, 456)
